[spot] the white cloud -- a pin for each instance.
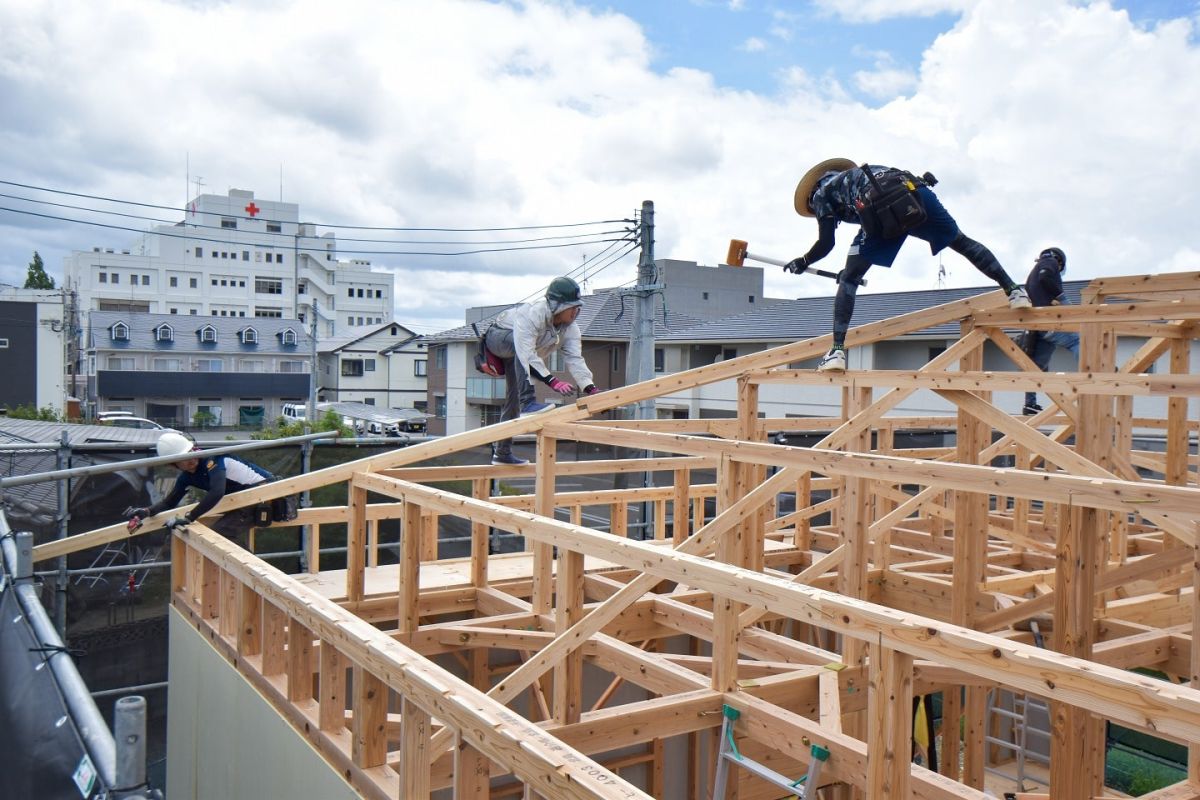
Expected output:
(754, 45)
(1047, 121)
(876, 10)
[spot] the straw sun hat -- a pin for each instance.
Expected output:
(804, 188)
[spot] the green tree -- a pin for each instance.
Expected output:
(37, 278)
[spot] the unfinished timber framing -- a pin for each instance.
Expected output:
(899, 573)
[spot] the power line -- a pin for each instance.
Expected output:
(320, 250)
(320, 224)
(289, 237)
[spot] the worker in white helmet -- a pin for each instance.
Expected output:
(216, 476)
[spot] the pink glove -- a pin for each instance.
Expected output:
(562, 387)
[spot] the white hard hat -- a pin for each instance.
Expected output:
(174, 444)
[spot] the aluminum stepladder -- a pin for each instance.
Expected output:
(729, 754)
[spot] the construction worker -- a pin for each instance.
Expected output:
(1044, 286)
(217, 476)
(888, 205)
(521, 339)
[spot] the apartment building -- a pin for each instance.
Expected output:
(381, 365)
(235, 256)
(193, 371)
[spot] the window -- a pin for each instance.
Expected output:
(420, 367)
(193, 283)
(279, 258)
(349, 292)
(208, 365)
(274, 227)
(369, 364)
(164, 333)
(268, 285)
(116, 277)
(288, 336)
(268, 312)
(751, 298)
(193, 312)
(115, 362)
(728, 353)
(291, 367)
(214, 254)
(145, 280)
(439, 405)
(224, 282)
(104, 277)
(705, 295)
(241, 284)
(174, 281)
(3, 344)
(360, 294)
(214, 281)
(224, 254)
(352, 368)
(379, 293)
(245, 255)
(935, 351)
(251, 365)
(249, 336)
(615, 362)
(660, 359)
(119, 332)
(394, 330)
(166, 364)
(226, 222)
(369, 401)
(199, 252)
(208, 333)
(174, 310)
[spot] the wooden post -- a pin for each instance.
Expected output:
(1077, 737)
(479, 537)
(680, 506)
(410, 569)
(369, 721)
(356, 531)
(250, 613)
(568, 673)
(970, 568)
(331, 715)
(414, 751)
(274, 653)
(471, 773)
(889, 730)
(299, 663)
(544, 472)
(725, 611)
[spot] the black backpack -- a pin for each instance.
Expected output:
(891, 206)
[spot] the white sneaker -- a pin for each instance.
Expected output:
(834, 361)
(1018, 298)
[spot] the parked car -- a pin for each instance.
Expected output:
(130, 421)
(413, 422)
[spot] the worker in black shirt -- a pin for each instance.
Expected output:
(1044, 286)
(216, 476)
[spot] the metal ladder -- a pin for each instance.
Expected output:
(1018, 718)
(729, 754)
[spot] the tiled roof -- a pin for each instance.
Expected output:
(806, 317)
(603, 316)
(142, 328)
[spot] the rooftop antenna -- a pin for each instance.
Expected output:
(584, 281)
(199, 181)
(941, 279)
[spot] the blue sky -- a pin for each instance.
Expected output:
(712, 35)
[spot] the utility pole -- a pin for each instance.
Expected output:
(640, 366)
(312, 372)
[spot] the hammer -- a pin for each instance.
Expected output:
(738, 254)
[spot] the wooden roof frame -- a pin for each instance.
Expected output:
(926, 564)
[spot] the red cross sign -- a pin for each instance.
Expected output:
(252, 209)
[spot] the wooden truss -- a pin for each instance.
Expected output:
(899, 573)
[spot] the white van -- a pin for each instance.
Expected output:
(294, 412)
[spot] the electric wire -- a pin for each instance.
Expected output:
(289, 237)
(320, 250)
(320, 224)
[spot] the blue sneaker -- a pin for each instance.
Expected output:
(507, 459)
(535, 408)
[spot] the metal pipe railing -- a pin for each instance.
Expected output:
(96, 738)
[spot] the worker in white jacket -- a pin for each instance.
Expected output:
(521, 339)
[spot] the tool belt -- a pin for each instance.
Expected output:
(486, 361)
(890, 207)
